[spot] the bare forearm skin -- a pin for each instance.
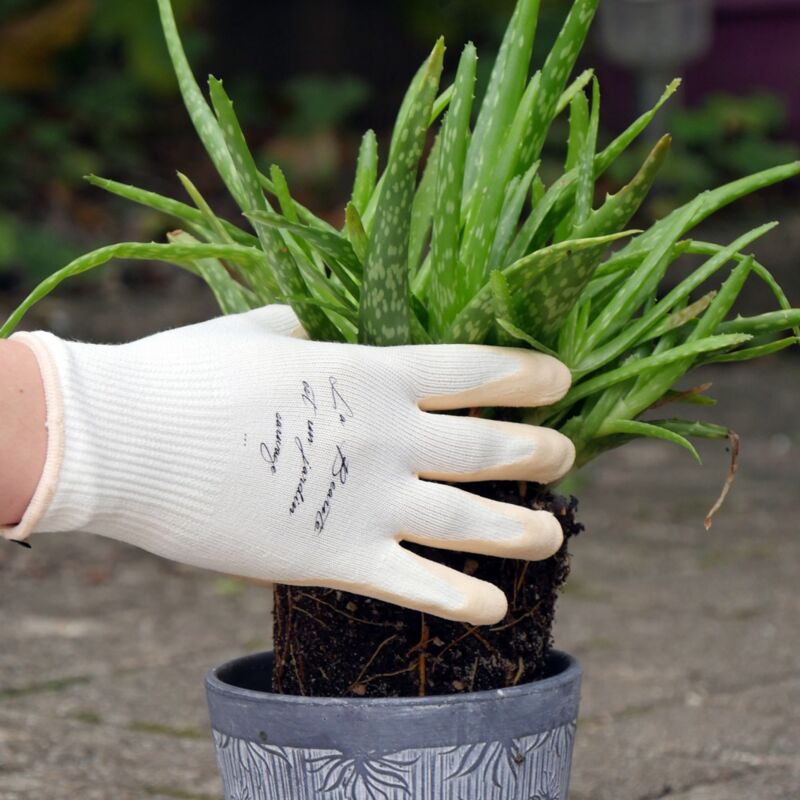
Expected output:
(23, 435)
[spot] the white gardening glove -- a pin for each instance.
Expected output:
(239, 446)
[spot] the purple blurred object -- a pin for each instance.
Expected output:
(753, 48)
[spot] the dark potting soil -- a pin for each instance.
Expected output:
(330, 643)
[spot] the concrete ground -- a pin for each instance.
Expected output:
(690, 640)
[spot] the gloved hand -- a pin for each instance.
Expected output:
(238, 446)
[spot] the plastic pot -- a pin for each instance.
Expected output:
(492, 745)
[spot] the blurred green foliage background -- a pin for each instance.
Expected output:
(86, 87)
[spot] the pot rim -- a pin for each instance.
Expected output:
(568, 671)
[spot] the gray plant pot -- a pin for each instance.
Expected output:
(496, 745)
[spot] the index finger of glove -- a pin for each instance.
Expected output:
(453, 376)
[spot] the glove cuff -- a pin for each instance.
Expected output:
(133, 439)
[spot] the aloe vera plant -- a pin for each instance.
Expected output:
(469, 245)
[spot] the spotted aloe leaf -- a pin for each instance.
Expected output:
(503, 94)
(205, 123)
(527, 280)
(384, 308)
(555, 73)
(232, 297)
(619, 208)
(446, 278)
(281, 261)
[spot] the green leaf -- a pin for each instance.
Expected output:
(650, 430)
(584, 188)
(750, 353)
(184, 255)
(605, 159)
(618, 209)
(516, 194)
(502, 99)
(557, 68)
(366, 172)
(231, 296)
(529, 280)
(446, 283)
(205, 124)
(577, 86)
(633, 292)
(333, 247)
(532, 225)
(212, 221)
(576, 142)
(682, 317)
(422, 209)
(698, 430)
(690, 350)
(279, 257)
(517, 333)
(714, 201)
(772, 322)
(356, 235)
(639, 329)
(384, 308)
(191, 217)
(483, 212)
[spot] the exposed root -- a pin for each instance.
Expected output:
(735, 446)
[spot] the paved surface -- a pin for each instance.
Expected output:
(690, 640)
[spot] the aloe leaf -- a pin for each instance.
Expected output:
(183, 255)
(441, 104)
(614, 150)
(681, 317)
(231, 296)
(576, 87)
(422, 208)
(446, 285)
(649, 430)
(584, 188)
(528, 280)
(287, 205)
(366, 171)
(634, 332)
(356, 235)
(212, 221)
(483, 213)
(723, 302)
(516, 195)
(749, 353)
(557, 68)
(530, 228)
(191, 217)
(576, 141)
(305, 215)
(279, 257)
(715, 200)
(772, 322)
(551, 295)
(650, 363)
(384, 311)
(334, 248)
(518, 333)
(502, 302)
(503, 94)
(206, 125)
(616, 314)
(619, 208)
(705, 248)
(282, 193)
